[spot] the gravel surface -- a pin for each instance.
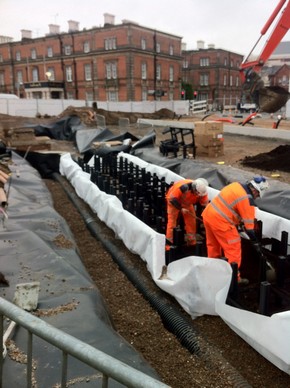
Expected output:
(224, 359)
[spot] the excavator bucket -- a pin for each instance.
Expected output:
(269, 99)
(272, 98)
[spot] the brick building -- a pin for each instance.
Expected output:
(124, 62)
(276, 76)
(213, 74)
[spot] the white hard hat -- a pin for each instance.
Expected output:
(260, 184)
(201, 186)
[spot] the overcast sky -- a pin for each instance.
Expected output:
(232, 25)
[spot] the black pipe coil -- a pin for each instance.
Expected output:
(172, 318)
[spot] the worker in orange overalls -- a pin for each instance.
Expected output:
(180, 199)
(233, 206)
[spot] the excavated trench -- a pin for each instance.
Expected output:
(173, 319)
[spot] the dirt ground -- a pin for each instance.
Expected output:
(141, 326)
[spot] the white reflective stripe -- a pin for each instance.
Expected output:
(234, 240)
(239, 199)
(229, 207)
(222, 213)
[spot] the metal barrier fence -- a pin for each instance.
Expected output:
(70, 346)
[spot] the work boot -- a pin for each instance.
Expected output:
(243, 282)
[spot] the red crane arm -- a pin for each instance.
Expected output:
(281, 28)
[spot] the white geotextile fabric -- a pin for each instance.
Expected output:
(199, 285)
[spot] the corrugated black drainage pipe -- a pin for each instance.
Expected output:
(172, 318)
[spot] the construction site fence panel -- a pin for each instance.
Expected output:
(41, 107)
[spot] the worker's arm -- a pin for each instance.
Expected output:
(175, 202)
(253, 238)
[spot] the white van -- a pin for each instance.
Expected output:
(9, 96)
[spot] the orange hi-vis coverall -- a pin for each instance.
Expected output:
(181, 199)
(234, 205)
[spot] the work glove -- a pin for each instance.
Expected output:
(257, 247)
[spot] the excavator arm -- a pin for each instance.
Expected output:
(269, 99)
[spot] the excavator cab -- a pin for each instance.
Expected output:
(269, 99)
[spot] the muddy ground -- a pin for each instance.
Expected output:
(141, 326)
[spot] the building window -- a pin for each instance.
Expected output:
(231, 80)
(2, 78)
(144, 95)
(110, 44)
(67, 50)
(158, 72)
(33, 53)
(50, 74)
(89, 96)
(226, 61)
(185, 64)
(49, 52)
(284, 80)
(86, 47)
(35, 74)
(88, 72)
(203, 96)
(144, 71)
(225, 80)
(143, 44)
(158, 48)
(171, 73)
(203, 79)
(19, 77)
(68, 73)
(18, 56)
(237, 81)
(204, 61)
(70, 95)
(170, 49)
(111, 70)
(232, 63)
(112, 95)
(1, 58)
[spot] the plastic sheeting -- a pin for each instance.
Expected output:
(37, 245)
(275, 201)
(199, 284)
(85, 137)
(62, 129)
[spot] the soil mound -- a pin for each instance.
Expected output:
(277, 159)
(112, 118)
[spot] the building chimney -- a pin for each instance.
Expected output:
(183, 46)
(200, 44)
(26, 34)
(54, 29)
(211, 46)
(109, 19)
(5, 39)
(73, 26)
(126, 21)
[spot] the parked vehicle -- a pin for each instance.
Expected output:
(247, 108)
